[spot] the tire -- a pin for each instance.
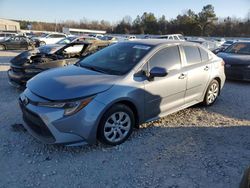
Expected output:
(30, 47)
(2, 47)
(212, 93)
(42, 43)
(112, 130)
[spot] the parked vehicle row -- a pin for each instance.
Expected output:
(30, 63)
(109, 93)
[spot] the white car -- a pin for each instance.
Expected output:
(172, 37)
(50, 38)
(98, 36)
(130, 37)
(5, 36)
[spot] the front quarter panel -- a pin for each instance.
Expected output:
(132, 91)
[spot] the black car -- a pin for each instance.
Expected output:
(30, 63)
(224, 46)
(17, 43)
(237, 61)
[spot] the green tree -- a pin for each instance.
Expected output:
(206, 19)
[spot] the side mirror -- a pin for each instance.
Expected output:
(157, 72)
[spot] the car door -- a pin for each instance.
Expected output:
(23, 43)
(164, 94)
(13, 43)
(198, 69)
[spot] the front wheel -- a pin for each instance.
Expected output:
(212, 93)
(2, 47)
(116, 125)
(42, 43)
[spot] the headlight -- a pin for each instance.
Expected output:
(70, 108)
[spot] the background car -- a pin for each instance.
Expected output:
(108, 94)
(224, 46)
(50, 48)
(130, 37)
(30, 63)
(5, 36)
(237, 61)
(17, 43)
(49, 38)
(110, 39)
(172, 37)
(99, 36)
(211, 45)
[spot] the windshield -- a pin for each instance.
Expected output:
(66, 40)
(229, 42)
(181, 37)
(239, 48)
(117, 59)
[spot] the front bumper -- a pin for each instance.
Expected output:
(50, 126)
(237, 73)
(18, 79)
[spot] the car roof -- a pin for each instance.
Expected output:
(157, 42)
(243, 41)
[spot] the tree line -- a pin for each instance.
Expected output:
(204, 23)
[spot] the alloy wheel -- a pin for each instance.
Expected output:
(212, 93)
(117, 126)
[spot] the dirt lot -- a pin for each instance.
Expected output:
(196, 147)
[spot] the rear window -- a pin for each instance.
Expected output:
(192, 54)
(176, 38)
(204, 55)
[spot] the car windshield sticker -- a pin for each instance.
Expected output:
(142, 47)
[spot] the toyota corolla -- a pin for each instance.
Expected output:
(108, 94)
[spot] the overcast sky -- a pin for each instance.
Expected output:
(113, 10)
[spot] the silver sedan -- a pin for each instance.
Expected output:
(108, 94)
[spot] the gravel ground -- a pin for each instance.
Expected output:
(196, 147)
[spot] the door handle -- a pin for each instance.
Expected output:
(182, 76)
(206, 68)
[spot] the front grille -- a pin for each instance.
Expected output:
(36, 124)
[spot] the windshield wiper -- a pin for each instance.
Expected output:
(96, 69)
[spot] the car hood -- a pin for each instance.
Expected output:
(70, 82)
(25, 56)
(231, 58)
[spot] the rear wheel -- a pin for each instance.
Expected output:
(42, 43)
(30, 47)
(212, 93)
(116, 125)
(2, 47)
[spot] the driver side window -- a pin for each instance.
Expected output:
(168, 58)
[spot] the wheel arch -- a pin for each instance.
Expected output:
(4, 46)
(219, 81)
(128, 103)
